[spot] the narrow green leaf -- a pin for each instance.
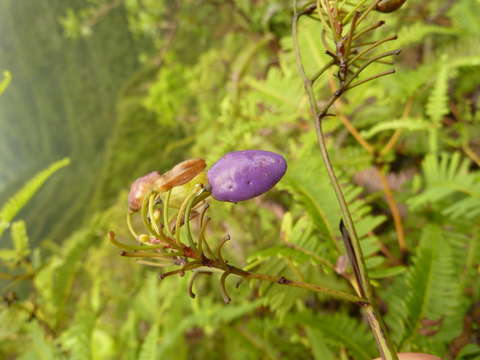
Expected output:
(21, 198)
(149, 346)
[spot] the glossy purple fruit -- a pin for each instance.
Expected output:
(242, 175)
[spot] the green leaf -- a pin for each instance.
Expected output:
(437, 105)
(78, 338)
(450, 185)
(39, 348)
(21, 198)
(7, 78)
(20, 239)
(388, 272)
(320, 349)
(149, 346)
(432, 289)
(341, 330)
(309, 184)
(411, 34)
(409, 124)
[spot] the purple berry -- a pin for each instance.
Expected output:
(242, 175)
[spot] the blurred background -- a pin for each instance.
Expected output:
(125, 87)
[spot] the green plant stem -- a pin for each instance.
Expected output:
(385, 346)
(166, 203)
(283, 281)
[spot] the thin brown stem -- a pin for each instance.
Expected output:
(322, 70)
(361, 82)
(396, 135)
(368, 29)
(471, 154)
(369, 62)
(393, 206)
(350, 127)
(391, 142)
(371, 47)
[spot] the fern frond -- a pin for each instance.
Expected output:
(20, 239)
(340, 330)
(411, 34)
(314, 193)
(437, 105)
(78, 338)
(149, 346)
(320, 349)
(21, 198)
(55, 280)
(39, 348)
(447, 177)
(7, 78)
(409, 124)
(432, 288)
(210, 315)
(280, 301)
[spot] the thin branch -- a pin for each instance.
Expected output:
(361, 82)
(368, 29)
(396, 135)
(322, 70)
(471, 154)
(369, 62)
(371, 47)
(298, 284)
(392, 204)
(350, 127)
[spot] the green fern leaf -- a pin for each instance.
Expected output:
(317, 197)
(433, 291)
(437, 105)
(409, 124)
(341, 330)
(40, 348)
(320, 349)
(7, 78)
(149, 346)
(21, 198)
(78, 338)
(447, 177)
(20, 239)
(411, 34)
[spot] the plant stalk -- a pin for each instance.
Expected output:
(342, 295)
(385, 346)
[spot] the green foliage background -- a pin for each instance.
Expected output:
(200, 78)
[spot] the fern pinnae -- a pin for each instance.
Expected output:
(148, 350)
(7, 78)
(340, 330)
(21, 198)
(433, 290)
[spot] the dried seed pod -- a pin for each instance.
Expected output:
(388, 6)
(140, 188)
(180, 174)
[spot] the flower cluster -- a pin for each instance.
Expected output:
(169, 203)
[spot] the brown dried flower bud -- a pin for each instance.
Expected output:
(140, 189)
(179, 175)
(388, 6)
